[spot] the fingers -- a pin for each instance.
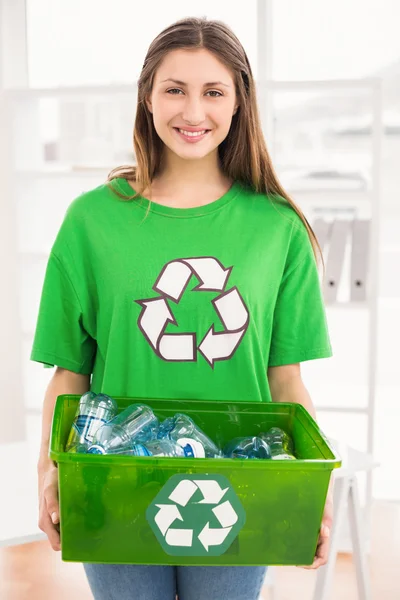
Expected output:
(50, 494)
(322, 553)
(46, 525)
(54, 516)
(50, 512)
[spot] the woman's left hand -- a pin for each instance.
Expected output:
(322, 552)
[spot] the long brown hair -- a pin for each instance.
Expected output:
(243, 153)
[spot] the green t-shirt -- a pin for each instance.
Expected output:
(166, 302)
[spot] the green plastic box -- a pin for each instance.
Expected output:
(184, 511)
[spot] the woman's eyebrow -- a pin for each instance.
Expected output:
(179, 82)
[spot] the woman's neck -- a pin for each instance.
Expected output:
(187, 194)
(181, 178)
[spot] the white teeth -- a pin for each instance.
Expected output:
(192, 133)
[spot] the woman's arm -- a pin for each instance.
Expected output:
(286, 385)
(62, 382)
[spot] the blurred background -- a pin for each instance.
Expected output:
(328, 82)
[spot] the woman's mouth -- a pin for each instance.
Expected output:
(191, 136)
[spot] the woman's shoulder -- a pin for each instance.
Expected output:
(89, 200)
(85, 212)
(272, 205)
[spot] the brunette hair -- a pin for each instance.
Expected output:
(243, 153)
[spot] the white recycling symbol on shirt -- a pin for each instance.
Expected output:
(199, 537)
(171, 284)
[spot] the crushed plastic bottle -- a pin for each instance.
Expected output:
(135, 424)
(183, 430)
(247, 447)
(158, 448)
(79, 448)
(280, 443)
(94, 410)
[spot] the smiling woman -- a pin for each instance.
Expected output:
(203, 220)
(226, 143)
(194, 114)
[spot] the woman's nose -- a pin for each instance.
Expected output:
(193, 112)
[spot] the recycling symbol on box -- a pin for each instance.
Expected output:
(171, 284)
(196, 515)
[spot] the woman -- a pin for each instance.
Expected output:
(191, 275)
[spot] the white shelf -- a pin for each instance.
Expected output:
(343, 409)
(59, 92)
(322, 189)
(347, 305)
(62, 171)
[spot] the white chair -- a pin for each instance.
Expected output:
(346, 496)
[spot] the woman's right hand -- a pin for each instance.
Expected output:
(49, 511)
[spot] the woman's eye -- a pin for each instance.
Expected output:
(210, 92)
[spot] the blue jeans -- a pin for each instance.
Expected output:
(148, 582)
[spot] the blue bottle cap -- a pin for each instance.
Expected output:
(95, 449)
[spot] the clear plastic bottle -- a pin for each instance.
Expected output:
(94, 410)
(247, 447)
(158, 448)
(280, 443)
(135, 424)
(182, 429)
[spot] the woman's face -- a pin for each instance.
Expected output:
(205, 100)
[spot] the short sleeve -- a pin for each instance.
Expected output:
(299, 329)
(60, 337)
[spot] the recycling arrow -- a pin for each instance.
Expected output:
(166, 516)
(179, 537)
(225, 514)
(171, 284)
(154, 318)
(173, 279)
(183, 492)
(232, 310)
(219, 346)
(213, 537)
(196, 515)
(176, 274)
(212, 494)
(211, 490)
